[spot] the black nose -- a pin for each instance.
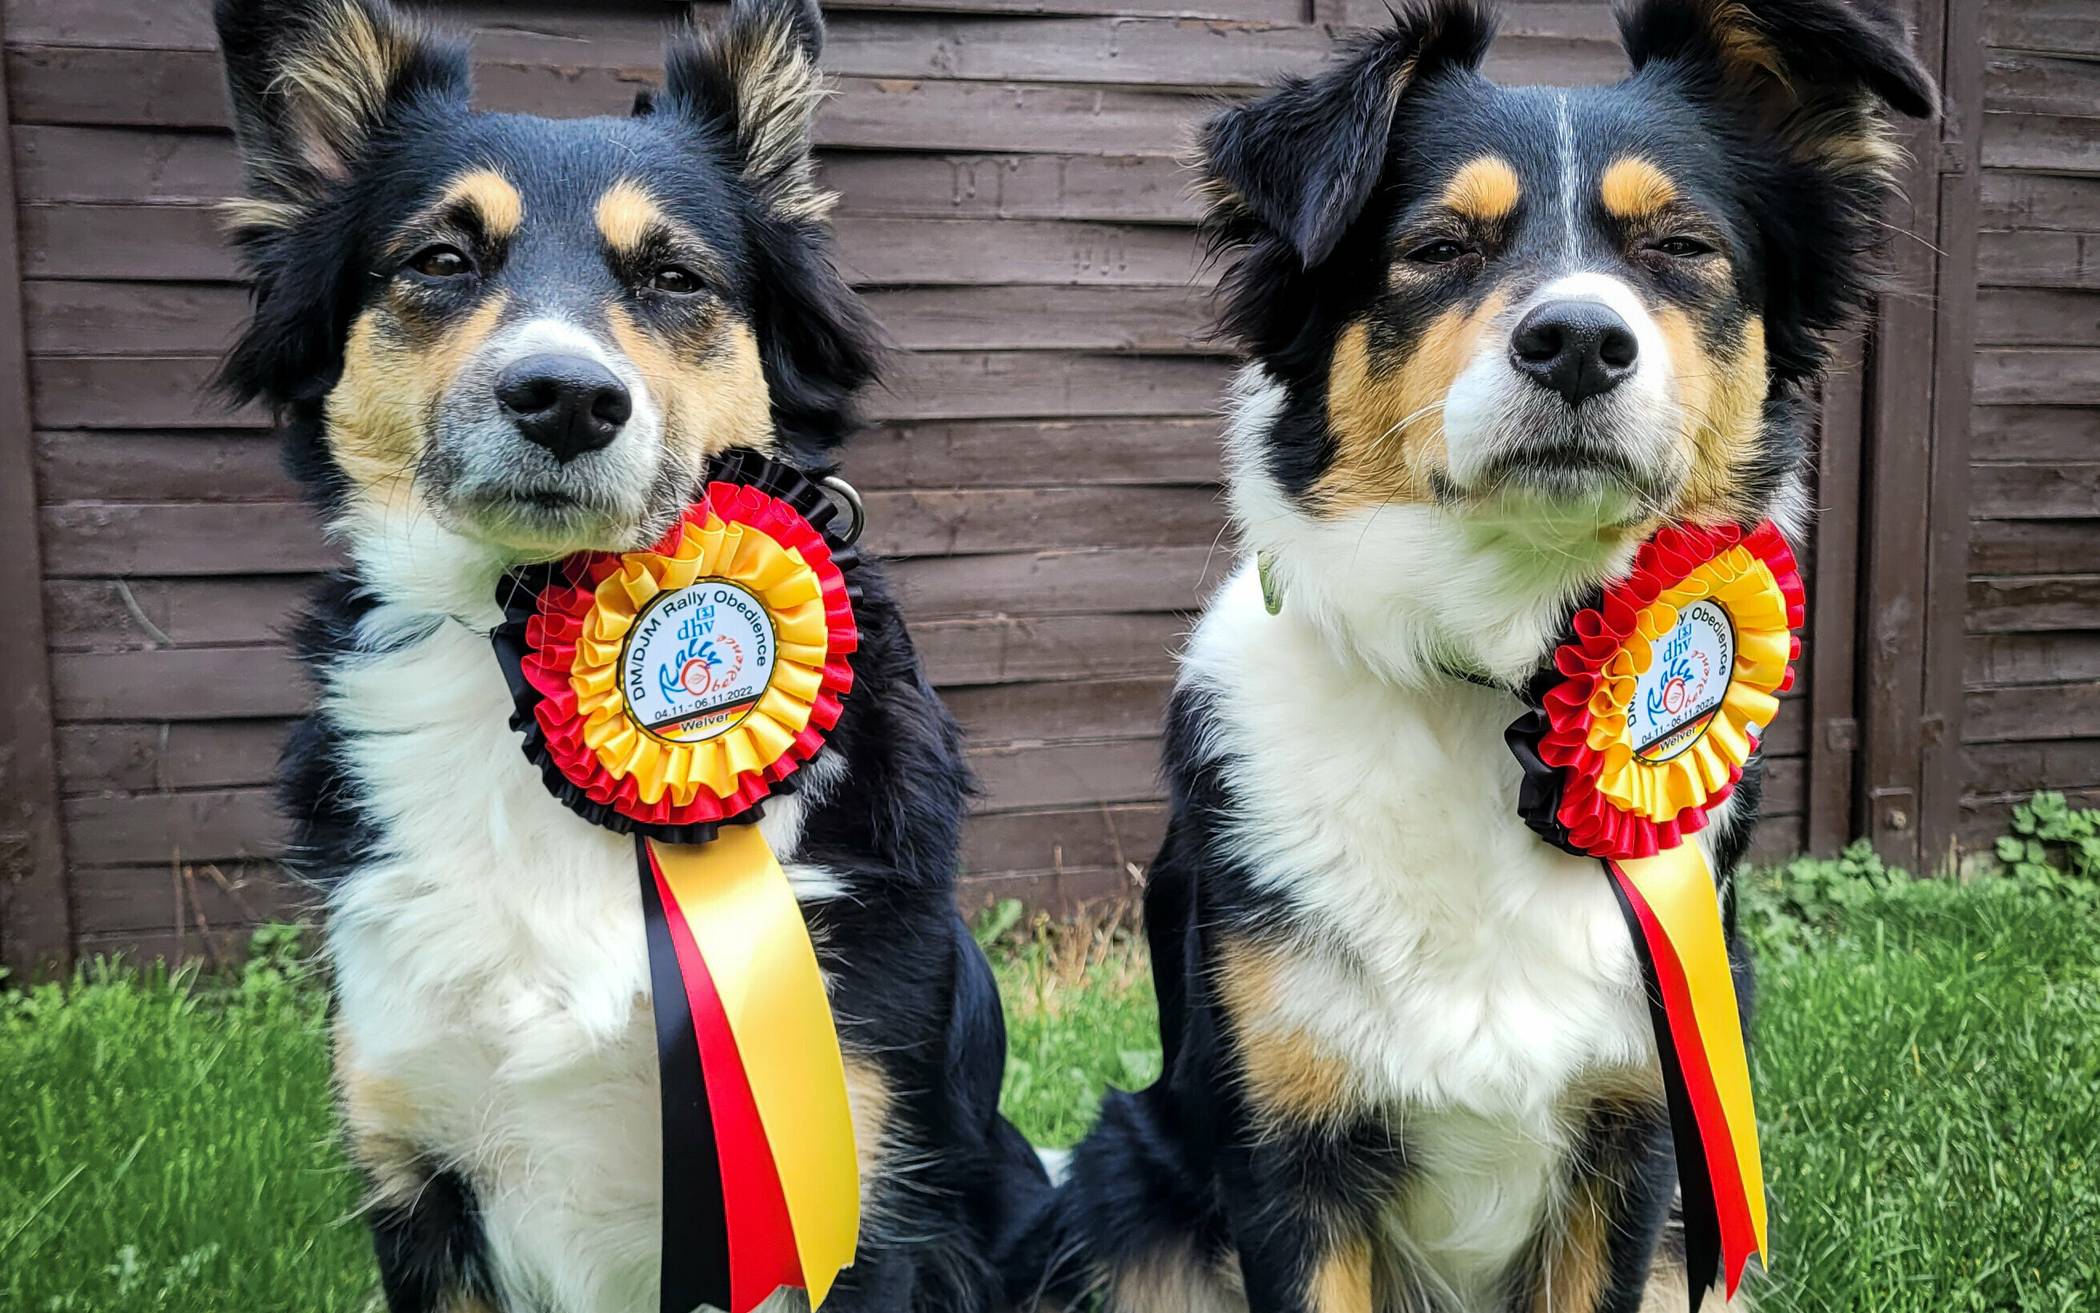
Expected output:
(1577, 348)
(567, 404)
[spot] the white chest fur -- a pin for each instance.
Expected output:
(1475, 976)
(491, 971)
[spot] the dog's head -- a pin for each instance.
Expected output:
(1537, 321)
(524, 335)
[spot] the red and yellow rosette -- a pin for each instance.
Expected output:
(1643, 725)
(665, 694)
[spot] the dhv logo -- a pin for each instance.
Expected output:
(697, 660)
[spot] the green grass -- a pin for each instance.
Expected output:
(1928, 1060)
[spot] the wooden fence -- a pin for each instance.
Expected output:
(1045, 460)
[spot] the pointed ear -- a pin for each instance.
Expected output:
(312, 81)
(756, 74)
(1820, 75)
(1302, 161)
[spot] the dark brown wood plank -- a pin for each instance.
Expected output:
(149, 758)
(104, 538)
(1024, 777)
(2070, 27)
(76, 465)
(2023, 316)
(1776, 839)
(1156, 320)
(2057, 376)
(177, 684)
(101, 614)
(2019, 83)
(129, 900)
(1005, 649)
(82, 318)
(1997, 768)
(36, 930)
(2025, 605)
(2046, 658)
(2035, 492)
(1061, 452)
(2000, 547)
(1172, 579)
(996, 384)
(1249, 11)
(2044, 143)
(2058, 711)
(1096, 710)
(2031, 201)
(2034, 432)
(984, 520)
(1102, 837)
(210, 825)
(1138, 188)
(134, 392)
(2038, 259)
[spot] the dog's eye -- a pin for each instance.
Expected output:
(1682, 248)
(441, 261)
(1442, 251)
(676, 280)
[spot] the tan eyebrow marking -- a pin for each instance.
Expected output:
(628, 215)
(492, 197)
(1485, 189)
(1633, 188)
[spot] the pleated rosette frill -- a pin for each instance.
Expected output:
(1587, 789)
(758, 527)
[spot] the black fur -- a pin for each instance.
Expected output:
(912, 992)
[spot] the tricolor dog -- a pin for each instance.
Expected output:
(493, 340)
(1497, 336)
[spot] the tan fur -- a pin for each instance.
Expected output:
(1171, 1281)
(1722, 395)
(868, 1099)
(1485, 189)
(627, 214)
(377, 1114)
(247, 213)
(1577, 1262)
(493, 198)
(710, 403)
(379, 412)
(778, 90)
(1341, 1281)
(1634, 188)
(1851, 136)
(337, 81)
(1387, 418)
(1289, 1078)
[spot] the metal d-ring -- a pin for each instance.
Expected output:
(854, 506)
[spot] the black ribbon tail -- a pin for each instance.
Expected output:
(695, 1265)
(1695, 1187)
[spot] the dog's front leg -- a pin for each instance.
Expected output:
(1302, 1206)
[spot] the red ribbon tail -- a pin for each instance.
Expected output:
(1719, 1233)
(760, 1238)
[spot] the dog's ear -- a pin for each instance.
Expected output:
(1302, 161)
(312, 81)
(1818, 75)
(756, 74)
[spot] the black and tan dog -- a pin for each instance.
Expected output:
(1497, 334)
(494, 339)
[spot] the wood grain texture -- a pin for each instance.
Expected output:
(36, 923)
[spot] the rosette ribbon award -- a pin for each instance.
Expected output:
(665, 694)
(1637, 731)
